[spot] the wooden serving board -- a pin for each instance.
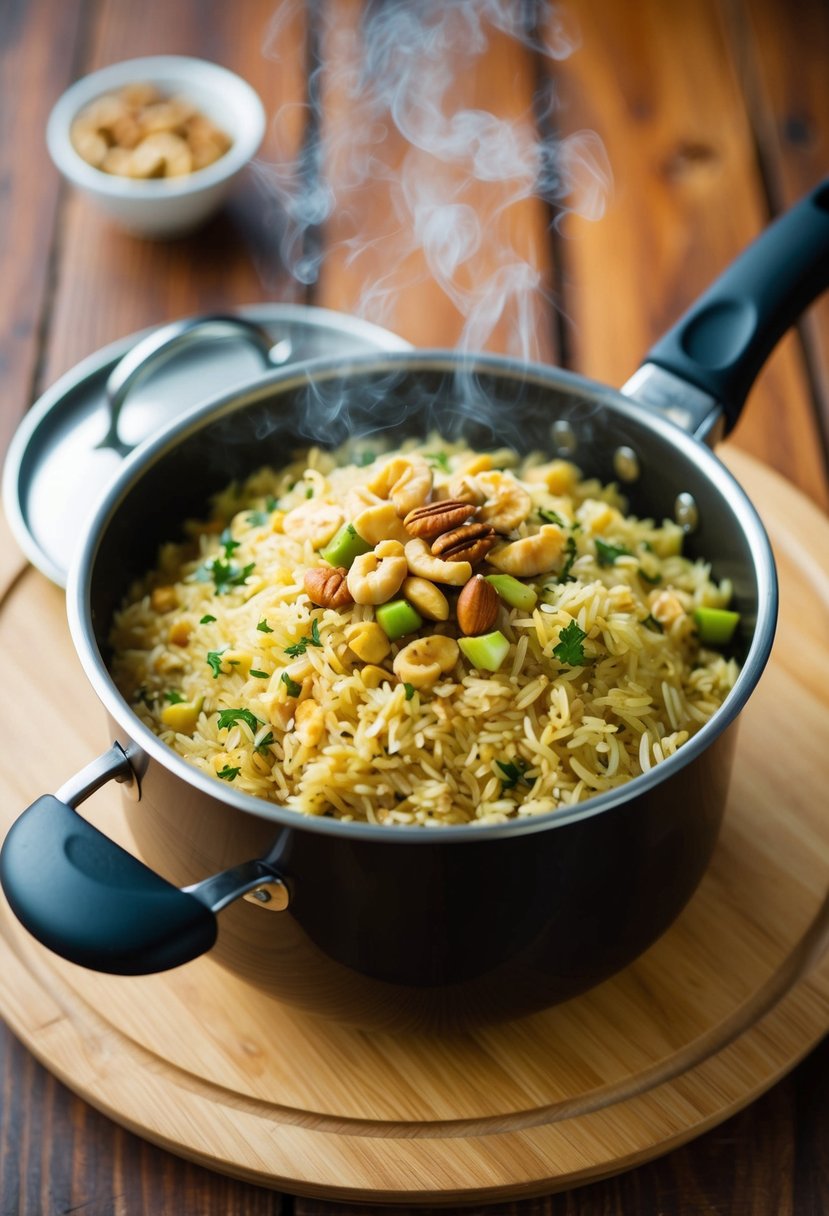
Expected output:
(723, 1005)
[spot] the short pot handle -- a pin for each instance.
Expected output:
(91, 902)
(725, 337)
(164, 343)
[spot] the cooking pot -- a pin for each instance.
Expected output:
(412, 926)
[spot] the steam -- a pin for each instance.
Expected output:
(439, 185)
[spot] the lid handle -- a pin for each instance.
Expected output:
(166, 342)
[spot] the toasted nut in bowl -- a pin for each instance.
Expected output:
(156, 143)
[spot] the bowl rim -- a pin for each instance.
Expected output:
(150, 68)
(79, 608)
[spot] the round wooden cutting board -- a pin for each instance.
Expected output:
(725, 1003)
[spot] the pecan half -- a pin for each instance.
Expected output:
(326, 586)
(435, 518)
(469, 543)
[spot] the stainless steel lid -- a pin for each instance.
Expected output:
(71, 444)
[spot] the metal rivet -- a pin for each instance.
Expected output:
(626, 464)
(685, 511)
(270, 895)
(564, 438)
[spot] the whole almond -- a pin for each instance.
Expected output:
(477, 607)
(435, 518)
(326, 586)
(469, 543)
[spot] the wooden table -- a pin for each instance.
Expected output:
(711, 116)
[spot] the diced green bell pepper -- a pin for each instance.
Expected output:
(487, 651)
(344, 547)
(716, 626)
(397, 618)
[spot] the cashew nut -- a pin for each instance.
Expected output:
(406, 480)
(425, 660)
(532, 554)
(313, 521)
(428, 599)
(375, 577)
(368, 641)
(424, 564)
(507, 504)
(380, 522)
(465, 488)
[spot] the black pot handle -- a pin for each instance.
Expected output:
(723, 340)
(91, 902)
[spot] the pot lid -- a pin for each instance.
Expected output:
(71, 443)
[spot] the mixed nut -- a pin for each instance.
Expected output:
(406, 551)
(139, 133)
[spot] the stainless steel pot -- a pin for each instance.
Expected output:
(414, 926)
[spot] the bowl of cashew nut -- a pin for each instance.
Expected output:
(156, 143)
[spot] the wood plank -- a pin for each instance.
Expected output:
(109, 283)
(657, 84)
(33, 73)
(785, 78)
(441, 250)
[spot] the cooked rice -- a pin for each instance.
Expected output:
(391, 755)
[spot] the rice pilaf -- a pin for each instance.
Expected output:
(225, 655)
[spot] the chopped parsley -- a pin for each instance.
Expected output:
(228, 543)
(293, 688)
(263, 626)
(571, 554)
(548, 516)
(206, 619)
(256, 519)
(228, 574)
(650, 622)
(440, 459)
(607, 554)
(257, 674)
(228, 716)
(513, 773)
(173, 697)
(302, 645)
(409, 691)
(214, 661)
(364, 458)
(570, 649)
(309, 492)
(647, 578)
(271, 503)
(263, 744)
(228, 774)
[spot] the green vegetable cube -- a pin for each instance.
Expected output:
(716, 626)
(397, 618)
(487, 651)
(345, 546)
(513, 592)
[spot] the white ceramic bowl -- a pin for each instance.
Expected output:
(162, 207)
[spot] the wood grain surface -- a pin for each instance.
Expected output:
(713, 116)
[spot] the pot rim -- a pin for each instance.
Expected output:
(80, 619)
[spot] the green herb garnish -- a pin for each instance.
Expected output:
(228, 716)
(440, 459)
(513, 773)
(571, 554)
(228, 543)
(409, 691)
(214, 660)
(271, 504)
(228, 774)
(256, 519)
(364, 458)
(228, 574)
(646, 578)
(607, 554)
(650, 622)
(551, 517)
(302, 645)
(293, 688)
(258, 675)
(263, 744)
(206, 619)
(173, 697)
(309, 492)
(263, 626)
(570, 649)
